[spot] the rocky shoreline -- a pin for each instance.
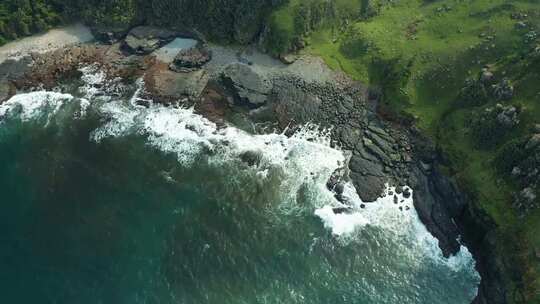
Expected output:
(284, 95)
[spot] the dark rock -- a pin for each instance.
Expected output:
(369, 188)
(191, 59)
(143, 40)
(109, 35)
(251, 158)
(504, 90)
(340, 210)
(508, 116)
(248, 85)
(433, 213)
(7, 90)
(407, 193)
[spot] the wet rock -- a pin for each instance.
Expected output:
(369, 188)
(191, 59)
(251, 158)
(249, 85)
(407, 193)
(143, 40)
(341, 210)
(7, 90)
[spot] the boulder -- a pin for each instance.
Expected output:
(248, 85)
(288, 58)
(143, 40)
(191, 59)
(166, 86)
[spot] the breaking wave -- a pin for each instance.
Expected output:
(299, 165)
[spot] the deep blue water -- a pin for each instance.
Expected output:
(150, 214)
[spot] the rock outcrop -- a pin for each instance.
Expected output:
(191, 59)
(143, 40)
(166, 86)
(248, 85)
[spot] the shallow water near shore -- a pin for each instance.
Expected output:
(104, 201)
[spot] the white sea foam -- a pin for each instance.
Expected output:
(401, 220)
(31, 105)
(304, 162)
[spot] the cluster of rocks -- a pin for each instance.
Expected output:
(143, 40)
(527, 174)
(486, 86)
(491, 125)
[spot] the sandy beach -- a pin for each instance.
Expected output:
(53, 39)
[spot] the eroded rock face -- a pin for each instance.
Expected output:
(248, 85)
(143, 40)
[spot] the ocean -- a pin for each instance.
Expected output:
(106, 201)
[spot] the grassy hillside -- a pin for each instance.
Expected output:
(425, 57)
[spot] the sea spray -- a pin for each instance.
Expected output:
(376, 252)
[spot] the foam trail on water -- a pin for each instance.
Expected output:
(29, 106)
(396, 215)
(302, 164)
(305, 161)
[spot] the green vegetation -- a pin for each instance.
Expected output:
(452, 66)
(23, 17)
(428, 59)
(224, 20)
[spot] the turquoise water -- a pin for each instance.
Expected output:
(107, 202)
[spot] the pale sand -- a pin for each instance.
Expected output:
(51, 40)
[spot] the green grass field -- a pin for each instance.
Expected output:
(420, 53)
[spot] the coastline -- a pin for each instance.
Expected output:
(390, 153)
